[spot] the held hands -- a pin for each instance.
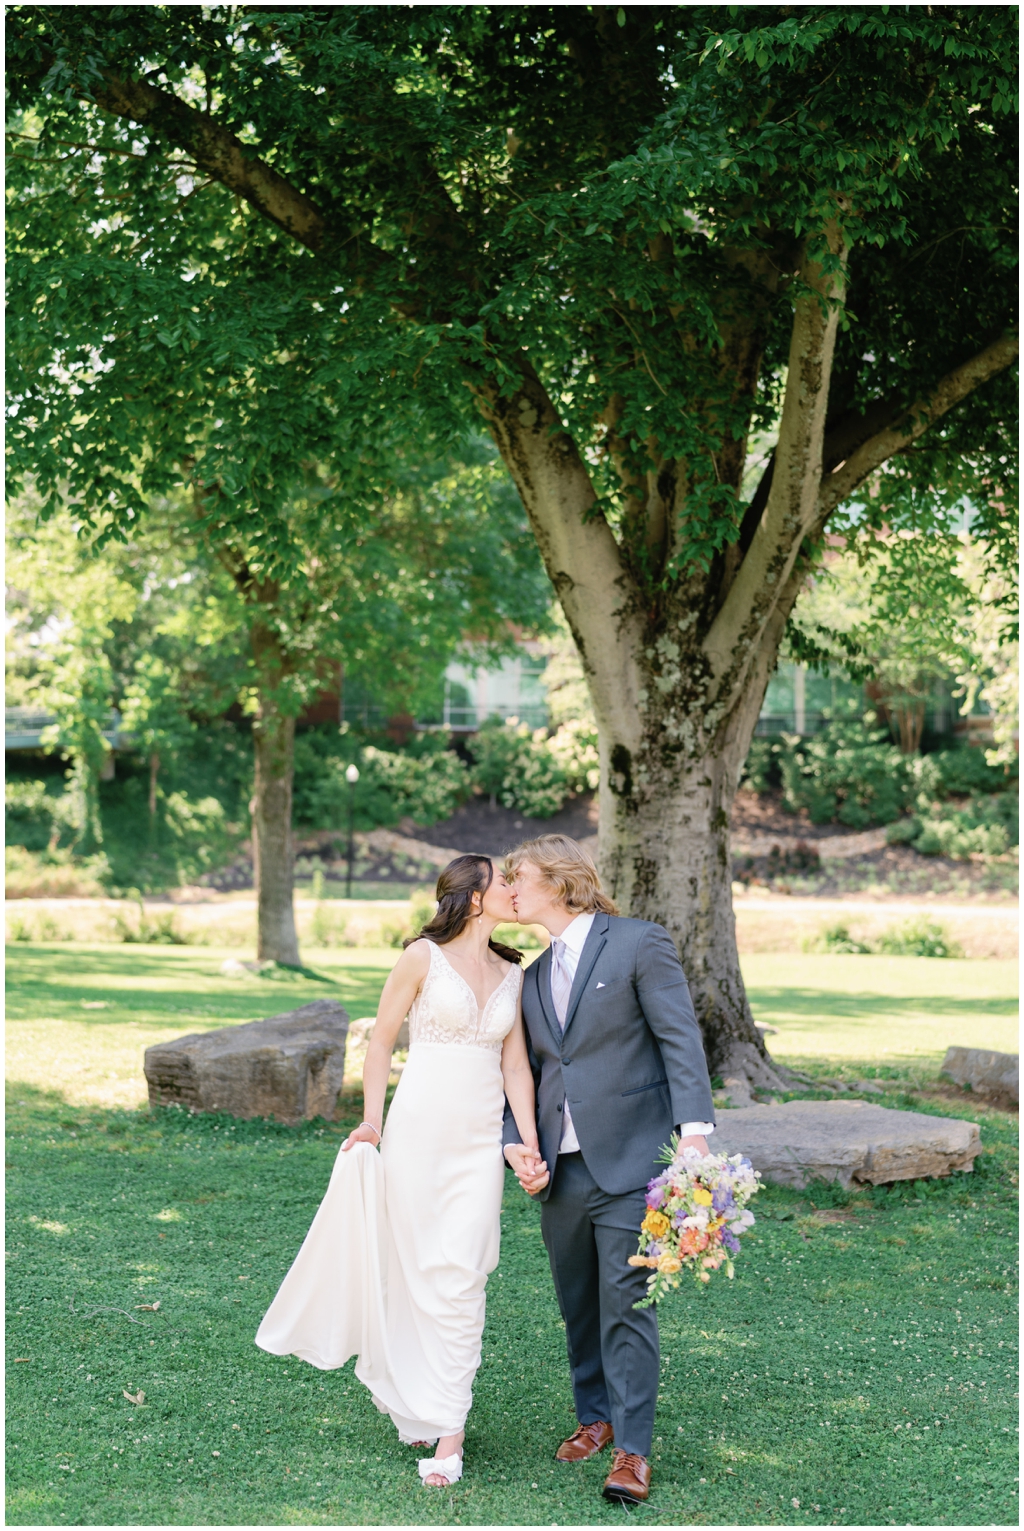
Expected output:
(364, 1133)
(700, 1144)
(529, 1168)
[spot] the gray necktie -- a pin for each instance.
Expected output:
(561, 981)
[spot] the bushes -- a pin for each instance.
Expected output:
(39, 814)
(574, 746)
(847, 772)
(163, 931)
(517, 768)
(761, 768)
(852, 773)
(426, 786)
(426, 781)
(530, 771)
(919, 937)
(962, 773)
(54, 874)
(986, 826)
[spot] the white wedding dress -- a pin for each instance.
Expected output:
(394, 1266)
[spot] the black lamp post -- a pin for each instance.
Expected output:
(351, 776)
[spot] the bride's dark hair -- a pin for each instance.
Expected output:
(456, 885)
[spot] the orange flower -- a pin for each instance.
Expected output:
(691, 1242)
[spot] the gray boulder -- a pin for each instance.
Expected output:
(846, 1140)
(996, 1075)
(291, 1066)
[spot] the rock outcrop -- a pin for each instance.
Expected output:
(993, 1075)
(847, 1141)
(290, 1067)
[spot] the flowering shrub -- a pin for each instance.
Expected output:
(696, 1214)
(574, 746)
(517, 768)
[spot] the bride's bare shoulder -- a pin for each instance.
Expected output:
(415, 960)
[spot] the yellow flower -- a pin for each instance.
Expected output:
(656, 1223)
(668, 1264)
(701, 1197)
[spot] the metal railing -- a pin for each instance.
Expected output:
(24, 728)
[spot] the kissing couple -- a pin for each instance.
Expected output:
(577, 1070)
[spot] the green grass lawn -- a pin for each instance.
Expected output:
(896, 1012)
(858, 1370)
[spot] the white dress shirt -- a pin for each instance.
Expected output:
(575, 936)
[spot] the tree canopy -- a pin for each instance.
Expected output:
(228, 220)
(715, 277)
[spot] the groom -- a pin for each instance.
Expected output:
(619, 1065)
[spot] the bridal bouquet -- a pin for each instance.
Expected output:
(696, 1214)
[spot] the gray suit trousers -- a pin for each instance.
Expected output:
(613, 1349)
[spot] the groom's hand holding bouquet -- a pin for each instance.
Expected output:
(696, 1215)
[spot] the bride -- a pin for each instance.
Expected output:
(394, 1266)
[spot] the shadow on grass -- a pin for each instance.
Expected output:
(169, 986)
(786, 1384)
(866, 1005)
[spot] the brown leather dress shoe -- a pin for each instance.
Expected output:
(585, 1442)
(630, 1478)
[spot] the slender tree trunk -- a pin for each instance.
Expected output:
(154, 771)
(273, 845)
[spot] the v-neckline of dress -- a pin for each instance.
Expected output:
(481, 1010)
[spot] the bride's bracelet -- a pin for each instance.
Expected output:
(372, 1128)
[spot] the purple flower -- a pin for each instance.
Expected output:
(655, 1195)
(722, 1199)
(730, 1241)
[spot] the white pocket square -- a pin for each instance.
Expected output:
(600, 985)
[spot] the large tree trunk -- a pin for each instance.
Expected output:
(273, 846)
(677, 670)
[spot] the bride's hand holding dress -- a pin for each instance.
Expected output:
(403, 985)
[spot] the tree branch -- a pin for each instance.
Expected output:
(840, 483)
(792, 497)
(597, 592)
(219, 153)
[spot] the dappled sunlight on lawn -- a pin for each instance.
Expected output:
(79, 1018)
(776, 1387)
(883, 1009)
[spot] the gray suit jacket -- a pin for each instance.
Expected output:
(630, 1060)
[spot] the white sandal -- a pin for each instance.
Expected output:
(449, 1468)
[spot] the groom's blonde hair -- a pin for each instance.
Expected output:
(568, 870)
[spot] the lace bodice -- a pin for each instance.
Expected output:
(445, 1010)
